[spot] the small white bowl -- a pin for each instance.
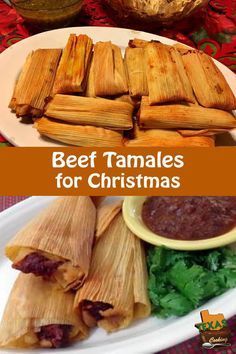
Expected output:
(132, 208)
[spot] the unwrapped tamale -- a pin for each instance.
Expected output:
(98, 112)
(72, 71)
(37, 314)
(57, 244)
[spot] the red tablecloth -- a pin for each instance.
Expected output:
(192, 346)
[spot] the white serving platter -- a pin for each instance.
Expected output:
(12, 60)
(144, 337)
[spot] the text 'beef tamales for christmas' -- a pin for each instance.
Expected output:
(34, 85)
(72, 71)
(37, 314)
(57, 244)
(115, 292)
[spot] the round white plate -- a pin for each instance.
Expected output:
(144, 337)
(12, 60)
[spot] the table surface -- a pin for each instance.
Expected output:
(191, 346)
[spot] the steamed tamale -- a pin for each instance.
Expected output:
(136, 69)
(105, 214)
(39, 315)
(57, 243)
(79, 135)
(91, 111)
(202, 132)
(90, 86)
(72, 71)
(183, 116)
(166, 76)
(209, 84)
(109, 70)
(115, 292)
(167, 138)
(34, 85)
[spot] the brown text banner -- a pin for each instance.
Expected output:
(133, 171)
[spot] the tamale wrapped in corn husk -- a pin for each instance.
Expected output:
(57, 243)
(168, 138)
(109, 296)
(79, 135)
(209, 84)
(110, 77)
(140, 43)
(90, 87)
(37, 314)
(178, 116)
(105, 214)
(134, 101)
(136, 68)
(34, 85)
(72, 71)
(202, 132)
(98, 112)
(166, 76)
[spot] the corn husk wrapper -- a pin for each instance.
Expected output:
(98, 112)
(140, 43)
(34, 303)
(166, 76)
(90, 87)
(105, 214)
(178, 116)
(72, 71)
(135, 102)
(34, 85)
(203, 132)
(79, 135)
(209, 84)
(136, 68)
(167, 138)
(64, 231)
(112, 280)
(109, 70)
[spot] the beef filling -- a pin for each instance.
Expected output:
(190, 218)
(57, 335)
(37, 264)
(94, 308)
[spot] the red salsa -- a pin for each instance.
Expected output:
(189, 218)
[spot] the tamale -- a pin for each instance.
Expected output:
(109, 70)
(166, 76)
(140, 43)
(167, 138)
(79, 135)
(98, 112)
(34, 85)
(202, 132)
(90, 87)
(209, 84)
(57, 243)
(72, 71)
(134, 101)
(37, 314)
(178, 116)
(105, 214)
(136, 69)
(108, 297)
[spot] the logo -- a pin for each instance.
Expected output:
(213, 330)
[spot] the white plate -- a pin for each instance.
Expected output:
(12, 60)
(144, 337)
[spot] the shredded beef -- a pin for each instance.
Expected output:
(37, 264)
(57, 335)
(94, 308)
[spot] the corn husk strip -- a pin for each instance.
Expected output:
(79, 135)
(90, 87)
(164, 75)
(35, 83)
(65, 230)
(209, 84)
(72, 71)
(105, 214)
(34, 303)
(182, 116)
(140, 43)
(136, 68)
(167, 138)
(203, 132)
(109, 70)
(142, 306)
(91, 111)
(110, 278)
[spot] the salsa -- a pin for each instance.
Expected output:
(189, 218)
